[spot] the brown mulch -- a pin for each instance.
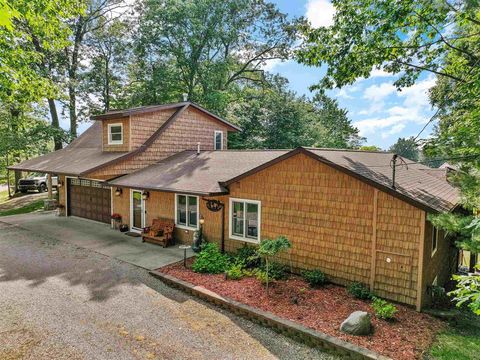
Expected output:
(324, 309)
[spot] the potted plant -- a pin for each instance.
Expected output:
(116, 220)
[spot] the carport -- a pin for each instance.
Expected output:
(99, 238)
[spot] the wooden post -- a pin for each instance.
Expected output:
(374, 240)
(49, 185)
(420, 263)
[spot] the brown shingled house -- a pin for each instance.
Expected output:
(342, 210)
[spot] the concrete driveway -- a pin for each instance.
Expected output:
(99, 238)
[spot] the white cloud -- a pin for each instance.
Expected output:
(271, 64)
(320, 13)
(379, 73)
(412, 106)
(379, 92)
(346, 91)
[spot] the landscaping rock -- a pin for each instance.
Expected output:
(358, 323)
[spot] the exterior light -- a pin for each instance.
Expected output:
(60, 184)
(145, 195)
(202, 221)
(118, 191)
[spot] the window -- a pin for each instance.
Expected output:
(218, 139)
(186, 211)
(434, 239)
(115, 134)
(245, 220)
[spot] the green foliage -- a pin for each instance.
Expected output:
(467, 292)
(247, 256)
(272, 247)
(210, 260)
(274, 117)
(406, 147)
(235, 272)
(369, 148)
(401, 37)
(262, 276)
(383, 309)
(315, 278)
(276, 271)
(360, 291)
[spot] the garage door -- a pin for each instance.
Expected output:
(89, 199)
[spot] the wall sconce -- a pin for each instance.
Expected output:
(145, 195)
(118, 191)
(60, 184)
(202, 220)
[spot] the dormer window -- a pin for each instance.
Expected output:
(218, 140)
(115, 134)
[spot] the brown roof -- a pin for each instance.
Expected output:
(212, 171)
(197, 174)
(83, 154)
(115, 114)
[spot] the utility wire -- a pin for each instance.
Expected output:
(428, 161)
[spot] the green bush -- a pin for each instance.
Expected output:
(261, 276)
(360, 291)
(210, 260)
(248, 257)
(315, 278)
(276, 271)
(383, 309)
(235, 272)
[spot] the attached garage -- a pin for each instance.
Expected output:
(89, 199)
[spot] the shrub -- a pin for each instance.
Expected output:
(261, 276)
(276, 271)
(383, 309)
(248, 257)
(315, 277)
(360, 291)
(235, 272)
(210, 260)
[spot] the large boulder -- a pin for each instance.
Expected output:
(358, 323)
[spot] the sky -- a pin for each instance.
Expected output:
(376, 108)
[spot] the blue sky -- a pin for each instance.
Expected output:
(376, 108)
(381, 113)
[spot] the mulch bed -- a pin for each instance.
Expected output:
(324, 309)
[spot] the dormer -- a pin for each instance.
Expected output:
(149, 134)
(116, 134)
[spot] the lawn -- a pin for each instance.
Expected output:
(460, 341)
(31, 207)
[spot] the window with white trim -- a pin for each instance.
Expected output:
(218, 140)
(245, 220)
(186, 211)
(435, 234)
(115, 134)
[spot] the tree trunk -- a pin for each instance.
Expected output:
(107, 86)
(55, 123)
(72, 106)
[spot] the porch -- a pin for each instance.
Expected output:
(99, 238)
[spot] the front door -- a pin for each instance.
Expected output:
(137, 210)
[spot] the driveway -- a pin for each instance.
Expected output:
(99, 238)
(62, 301)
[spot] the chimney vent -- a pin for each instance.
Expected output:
(185, 96)
(198, 148)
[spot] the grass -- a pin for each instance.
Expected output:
(460, 341)
(3, 196)
(34, 206)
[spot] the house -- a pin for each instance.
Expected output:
(346, 212)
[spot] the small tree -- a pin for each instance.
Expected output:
(269, 248)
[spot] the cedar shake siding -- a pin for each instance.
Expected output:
(189, 128)
(349, 229)
(125, 146)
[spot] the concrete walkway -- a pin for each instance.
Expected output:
(98, 237)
